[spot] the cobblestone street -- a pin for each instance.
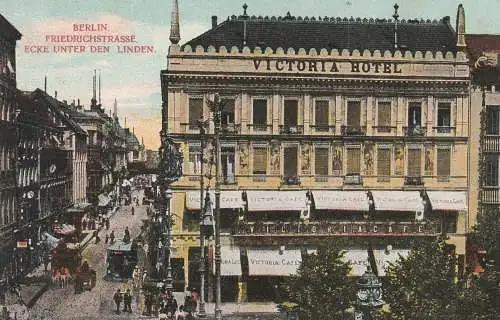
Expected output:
(59, 303)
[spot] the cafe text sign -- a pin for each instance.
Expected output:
(338, 228)
(326, 66)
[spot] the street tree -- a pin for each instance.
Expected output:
(481, 297)
(423, 285)
(321, 288)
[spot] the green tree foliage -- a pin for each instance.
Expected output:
(321, 287)
(481, 297)
(423, 285)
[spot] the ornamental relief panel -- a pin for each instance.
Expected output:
(429, 160)
(243, 157)
(305, 151)
(368, 158)
(399, 159)
(337, 160)
(275, 157)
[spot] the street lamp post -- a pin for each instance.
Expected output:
(216, 109)
(170, 171)
(369, 295)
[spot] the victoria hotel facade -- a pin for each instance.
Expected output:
(346, 128)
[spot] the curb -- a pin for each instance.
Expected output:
(31, 302)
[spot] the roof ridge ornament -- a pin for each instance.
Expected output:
(245, 7)
(175, 35)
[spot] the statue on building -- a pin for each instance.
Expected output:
(171, 160)
(275, 157)
(368, 159)
(399, 159)
(429, 160)
(243, 156)
(306, 158)
(337, 160)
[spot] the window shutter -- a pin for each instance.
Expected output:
(259, 160)
(384, 114)
(354, 113)
(443, 162)
(195, 109)
(384, 162)
(414, 162)
(321, 113)
(321, 161)
(353, 161)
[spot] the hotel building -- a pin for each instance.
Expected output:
(346, 128)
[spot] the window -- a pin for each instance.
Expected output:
(290, 113)
(414, 115)
(195, 159)
(492, 170)
(493, 121)
(321, 115)
(443, 162)
(227, 164)
(260, 114)
(354, 113)
(384, 116)
(290, 161)
(384, 162)
(321, 161)
(353, 161)
(259, 160)
(444, 117)
(228, 111)
(414, 162)
(195, 112)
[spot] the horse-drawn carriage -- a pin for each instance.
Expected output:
(85, 278)
(64, 262)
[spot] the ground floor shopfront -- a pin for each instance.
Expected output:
(272, 233)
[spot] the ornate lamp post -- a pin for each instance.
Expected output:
(369, 295)
(170, 171)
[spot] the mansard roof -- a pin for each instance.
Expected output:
(330, 33)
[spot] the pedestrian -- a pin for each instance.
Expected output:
(107, 223)
(112, 237)
(127, 301)
(84, 224)
(126, 237)
(107, 239)
(117, 297)
(96, 235)
(132, 210)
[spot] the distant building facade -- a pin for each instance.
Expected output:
(358, 129)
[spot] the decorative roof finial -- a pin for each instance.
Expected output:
(461, 44)
(115, 110)
(245, 10)
(175, 35)
(396, 15)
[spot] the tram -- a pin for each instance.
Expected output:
(121, 260)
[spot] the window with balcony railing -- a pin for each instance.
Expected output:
(321, 161)
(384, 163)
(384, 116)
(492, 171)
(414, 167)
(353, 123)
(321, 116)
(259, 115)
(493, 119)
(195, 112)
(353, 161)
(444, 117)
(290, 163)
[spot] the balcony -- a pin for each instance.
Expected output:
(260, 128)
(384, 129)
(492, 144)
(290, 180)
(231, 128)
(228, 179)
(291, 129)
(323, 128)
(190, 126)
(337, 228)
(414, 181)
(353, 179)
(490, 195)
(353, 131)
(414, 131)
(444, 130)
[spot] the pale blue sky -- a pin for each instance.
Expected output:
(134, 79)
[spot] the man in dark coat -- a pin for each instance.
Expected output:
(127, 301)
(117, 297)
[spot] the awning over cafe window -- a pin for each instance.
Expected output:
(64, 229)
(397, 201)
(103, 200)
(228, 199)
(276, 200)
(384, 257)
(448, 200)
(52, 241)
(340, 200)
(230, 264)
(358, 260)
(272, 262)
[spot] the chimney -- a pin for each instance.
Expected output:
(461, 28)
(214, 22)
(45, 85)
(55, 94)
(78, 101)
